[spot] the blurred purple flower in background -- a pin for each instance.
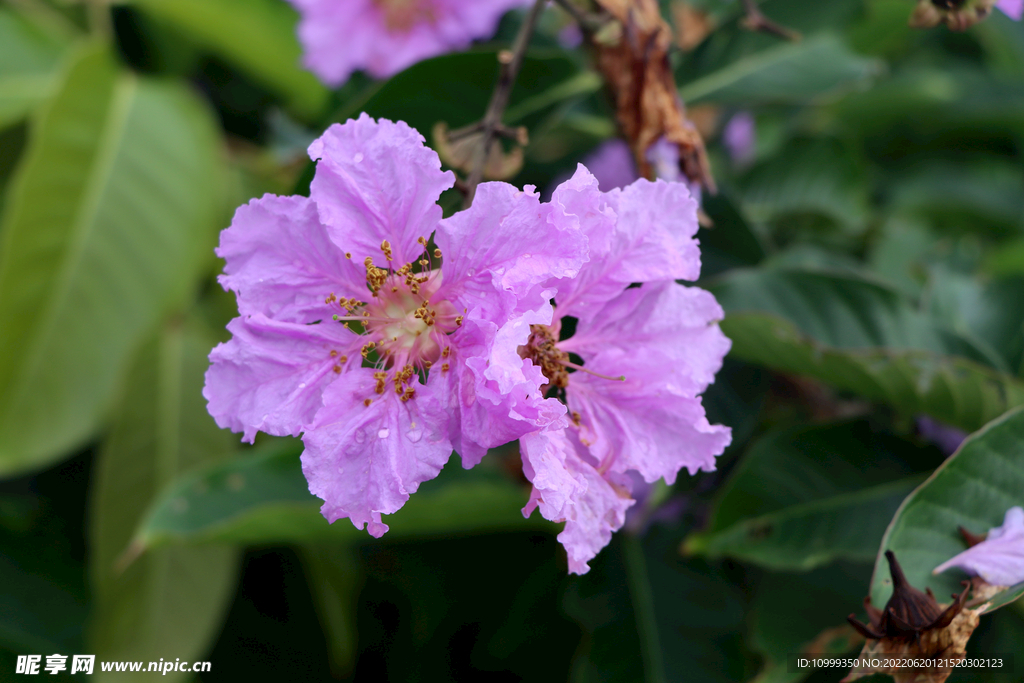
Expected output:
(351, 335)
(1012, 8)
(647, 354)
(947, 438)
(740, 138)
(611, 163)
(383, 37)
(999, 559)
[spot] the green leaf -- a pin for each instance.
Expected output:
(107, 224)
(426, 93)
(29, 66)
(818, 177)
(167, 602)
(790, 73)
(262, 497)
(258, 36)
(335, 579)
(803, 613)
(974, 488)
(804, 536)
(807, 496)
(863, 337)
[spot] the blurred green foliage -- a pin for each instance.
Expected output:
(869, 255)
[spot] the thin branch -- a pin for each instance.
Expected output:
(757, 21)
(511, 62)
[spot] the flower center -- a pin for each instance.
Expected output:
(406, 330)
(542, 349)
(400, 16)
(554, 363)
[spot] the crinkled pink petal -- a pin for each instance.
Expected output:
(376, 181)
(629, 426)
(644, 233)
(999, 559)
(270, 376)
(594, 515)
(342, 36)
(1012, 8)
(281, 263)
(495, 395)
(365, 461)
(544, 455)
(674, 326)
(503, 248)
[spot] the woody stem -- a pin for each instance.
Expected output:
(510, 61)
(756, 21)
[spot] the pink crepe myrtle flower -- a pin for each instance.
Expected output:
(1012, 8)
(999, 559)
(647, 353)
(384, 37)
(384, 352)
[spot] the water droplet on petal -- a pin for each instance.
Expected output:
(384, 433)
(527, 255)
(471, 272)
(302, 385)
(415, 432)
(341, 470)
(358, 157)
(360, 435)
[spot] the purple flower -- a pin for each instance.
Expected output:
(612, 164)
(353, 335)
(999, 559)
(1012, 8)
(647, 354)
(740, 138)
(945, 437)
(384, 37)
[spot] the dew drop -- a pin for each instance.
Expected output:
(358, 157)
(471, 272)
(302, 385)
(341, 470)
(384, 433)
(415, 432)
(527, 255)
(360, 435)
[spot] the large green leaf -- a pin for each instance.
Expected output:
(807, 496)
(786, 74)
(168, 602)
(29, 66)
(107, 224)
(819, 177)
(974, 488)
(426, 93)
(864, 337)
(256, 35)
(262, 497)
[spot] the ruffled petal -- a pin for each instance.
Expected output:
(661, 334)
(594, 515)
(644, 233)
(364, 461)
(494, 395)
(281, 263)
(499, 252)
(377, 181)
(544, 455)
(270, 376)
(628, 426)
(999, 559)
